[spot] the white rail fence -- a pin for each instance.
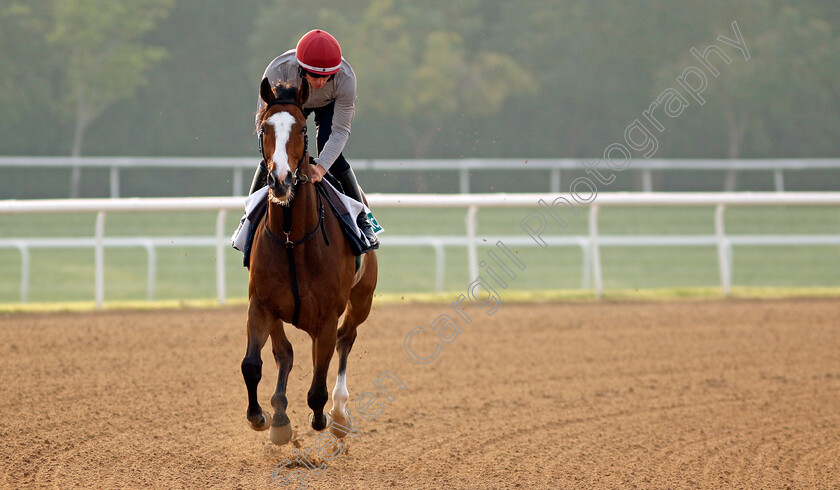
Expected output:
(590, 244)
(243, 168)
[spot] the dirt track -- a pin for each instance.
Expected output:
(689, 394)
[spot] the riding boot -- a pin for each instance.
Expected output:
(351, 188)
(259, 182)
(259, 178)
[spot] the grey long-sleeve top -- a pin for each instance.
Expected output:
(341, 89)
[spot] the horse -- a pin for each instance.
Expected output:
(302, 272)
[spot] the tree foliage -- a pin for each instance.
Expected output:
(28, 76)
(103, 58)
(544, 78)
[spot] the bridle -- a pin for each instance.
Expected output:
(296, 176)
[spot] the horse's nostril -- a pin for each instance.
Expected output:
(279, 184)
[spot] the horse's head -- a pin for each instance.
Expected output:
(283, 138)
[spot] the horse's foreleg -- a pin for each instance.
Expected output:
(322, 350)
(281, 427)
(340, 394)
(358, 308)
(252, 367)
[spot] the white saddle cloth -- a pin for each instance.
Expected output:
(252, 206)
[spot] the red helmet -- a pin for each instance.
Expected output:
(318, 52)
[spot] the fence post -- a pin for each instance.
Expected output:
(75, 178)
(464, 180)
(99, 260)
(440, 264)
(586, 272)
(730, 181)
(555, 181)
(597, 278)
(779, 180)
(472, 252)
(647, 180)
(151, 269)
(24, 271)
(115, 182)
(724, 255)
(220, 256)
(237, 181)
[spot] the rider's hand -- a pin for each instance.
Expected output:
(318, 171)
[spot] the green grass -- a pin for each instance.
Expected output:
(188, 274)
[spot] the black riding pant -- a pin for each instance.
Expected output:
(323, 128)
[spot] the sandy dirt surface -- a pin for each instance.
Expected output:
(735, 394)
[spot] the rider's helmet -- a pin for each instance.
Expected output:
(318, 53)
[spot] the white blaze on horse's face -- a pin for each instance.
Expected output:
(282, 122)
(280, 177)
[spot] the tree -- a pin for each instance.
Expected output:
(790, 84)
(773, 104)
(571, 75)
(104, 57)
(27, 73)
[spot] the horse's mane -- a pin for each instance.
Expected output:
(283, 91)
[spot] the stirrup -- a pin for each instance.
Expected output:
(367, 230)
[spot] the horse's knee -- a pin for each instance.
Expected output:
(283, 353)
(251, 370)
(345, 343)
(284, 363)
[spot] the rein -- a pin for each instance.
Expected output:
(284, 102)
(287, 225)
(290, 244)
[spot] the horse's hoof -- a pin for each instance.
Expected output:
(338, 418)
(281, 435)
(326, 424)
(260, 422)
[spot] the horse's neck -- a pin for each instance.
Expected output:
(304, 215)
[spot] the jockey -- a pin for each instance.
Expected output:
(332, 97)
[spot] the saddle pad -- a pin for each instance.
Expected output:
(255, 206)
(346, 210)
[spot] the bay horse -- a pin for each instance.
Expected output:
(302, 272)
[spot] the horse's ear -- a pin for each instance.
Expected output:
(266, 93)
(303, 92)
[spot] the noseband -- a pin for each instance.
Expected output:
(296, 177)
